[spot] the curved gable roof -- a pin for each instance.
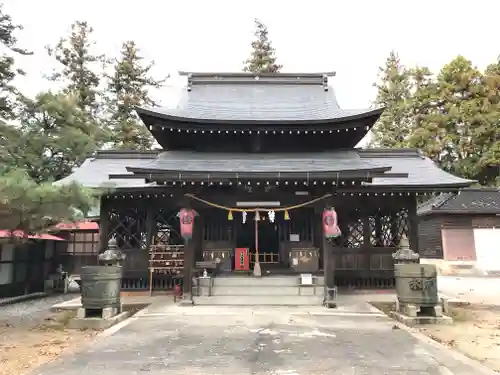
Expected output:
(264, 98)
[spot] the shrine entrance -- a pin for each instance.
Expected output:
(261, 237)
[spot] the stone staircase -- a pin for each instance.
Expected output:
(259, 291)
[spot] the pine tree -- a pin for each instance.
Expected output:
(56, 136)
(31, 207)
(9, 95)
(129, 87)
(79, 66)
(263, 56)
(393, 93)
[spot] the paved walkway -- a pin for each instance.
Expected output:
(207, 340)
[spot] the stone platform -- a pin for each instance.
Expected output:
(283, 290)
(96, 323)
(420, 320)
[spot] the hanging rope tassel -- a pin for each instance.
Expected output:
(230, 215)
(257, 216)
(286, 215)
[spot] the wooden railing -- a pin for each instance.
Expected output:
(265, 258)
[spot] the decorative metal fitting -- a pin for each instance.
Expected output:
(404, 253)
(113, 255)
(325, 82)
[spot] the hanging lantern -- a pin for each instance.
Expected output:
(244, 217)
(286, 216)
(257, 216)
(330, 223)
(230, 215)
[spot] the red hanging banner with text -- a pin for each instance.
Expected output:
(186, 217)
(330, 224)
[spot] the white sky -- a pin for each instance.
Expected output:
(351, 37)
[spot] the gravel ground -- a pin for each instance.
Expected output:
(31, 313)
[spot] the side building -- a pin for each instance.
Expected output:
(460, 232)
(272, 149)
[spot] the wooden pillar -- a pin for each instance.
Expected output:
(190, 250)
(327, 248)
(150, 227)
(413, 225)
(104, 225)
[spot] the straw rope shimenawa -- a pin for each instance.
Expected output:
(256, 269)
(275, 209)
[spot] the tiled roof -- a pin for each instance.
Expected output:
(188, 161)
(241, 97)
(466, 201)
(421, 171)
(79, 226)
(94, 172)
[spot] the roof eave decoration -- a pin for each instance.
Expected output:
(189, 124)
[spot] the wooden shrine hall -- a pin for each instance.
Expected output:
(259, 162)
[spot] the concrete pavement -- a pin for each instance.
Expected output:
(206, 340)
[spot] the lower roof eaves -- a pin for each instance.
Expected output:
(422, 174)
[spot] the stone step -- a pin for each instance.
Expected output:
(259, 300)
(286, 290)
(262, 281)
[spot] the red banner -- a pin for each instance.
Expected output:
(186, 217)
(330, 224)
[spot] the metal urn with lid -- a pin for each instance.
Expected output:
(416, 284)
(101, 284)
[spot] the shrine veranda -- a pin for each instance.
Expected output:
(272, 147)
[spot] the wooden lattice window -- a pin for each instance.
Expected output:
(387, 228)
(167, 228)
(128, 227)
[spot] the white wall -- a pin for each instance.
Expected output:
(6, 269)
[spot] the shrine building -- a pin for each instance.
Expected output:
(260, 159)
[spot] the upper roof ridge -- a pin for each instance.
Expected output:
(213, 78)
(390, 152)
(126, 154)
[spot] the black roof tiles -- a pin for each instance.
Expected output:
(421, 171)
(247, 97)
(466, 201)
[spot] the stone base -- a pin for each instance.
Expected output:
(414, 311)
(106, 313)
(186, 300)
(418, 320)
(330, 304)
(97, 323)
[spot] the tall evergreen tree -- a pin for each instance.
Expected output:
(263, 56)
(31, 207)
(458, 120)
(56, 136)
(129, 87)
(9, 95)
(393, 93)
(79, 65)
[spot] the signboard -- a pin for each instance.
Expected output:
(241, 259)
(306, 279)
